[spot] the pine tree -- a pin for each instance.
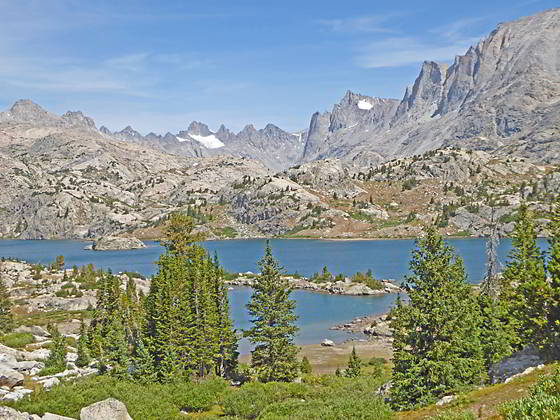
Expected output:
(496, 331)
(143, 363)
(436, 335)
(227, 339)
(525, 289)
(552, 342)
(56, 362)
(188, 329)
(6, 317)
(83, 350)
(490, 284)
(273, 324)
(305, 366)
(354, 368)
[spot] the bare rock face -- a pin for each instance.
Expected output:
(515, 364)
(502, 95)
(10, 377)
(107, 409)
(115, 243)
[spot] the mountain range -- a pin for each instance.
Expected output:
(502, 95)
(62, 176)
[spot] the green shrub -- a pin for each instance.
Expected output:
(252, 398)
(143, 401)
(17, 340)
(543, 403)
(343, 408)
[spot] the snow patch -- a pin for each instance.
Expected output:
(363, 104)
(210, 142)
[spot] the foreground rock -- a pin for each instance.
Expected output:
(114, 243)
(10, 377)
(103, 410)
(7, 413)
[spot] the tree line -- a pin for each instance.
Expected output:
(182, 328)
(449, 334)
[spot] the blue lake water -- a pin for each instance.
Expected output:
(388, 259)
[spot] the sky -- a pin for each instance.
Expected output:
(158, 65)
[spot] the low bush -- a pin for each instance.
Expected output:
(543, 402)
(143, 401)
(17, 340)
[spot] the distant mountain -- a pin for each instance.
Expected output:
(271, 145)
(503, 95)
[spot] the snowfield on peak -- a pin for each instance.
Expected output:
(363, 104)
(210, 142)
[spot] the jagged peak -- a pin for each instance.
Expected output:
(199, 128)
(77, 118)
(25, 110)
(105, 130)
(249, 128)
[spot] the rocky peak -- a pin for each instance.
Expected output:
(271, 129)
(248, 131)
(425, 95)
(355, 109)
(105, 131)
(129, 134)
(199, 129)
(224, 134)
(27, 111)
(77, 118)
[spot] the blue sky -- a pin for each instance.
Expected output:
(157, 65)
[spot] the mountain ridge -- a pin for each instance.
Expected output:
(501, 96)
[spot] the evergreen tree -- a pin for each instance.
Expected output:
(83, 350)
(437, 334)
(354, 368)
(56, 362)
(552, 342)
(305, 367)
(6, 317)
(188, 328)
(143, 363)
(227, 339)
(525, 290)
(496, 331)
(273, 324)
(116, 348)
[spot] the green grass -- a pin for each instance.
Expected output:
(226, 232)
(53, 317)
(17, 340)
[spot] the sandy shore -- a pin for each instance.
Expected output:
(327, 359)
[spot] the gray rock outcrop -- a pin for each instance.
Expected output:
(107, 409)
(115, 243)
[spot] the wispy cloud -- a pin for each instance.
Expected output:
(401, 51)
(132, 74)
(371, 24)
(441, 44)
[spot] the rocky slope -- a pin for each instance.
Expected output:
(503, 95)
(62, 178)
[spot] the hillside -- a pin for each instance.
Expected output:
(64, 179)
